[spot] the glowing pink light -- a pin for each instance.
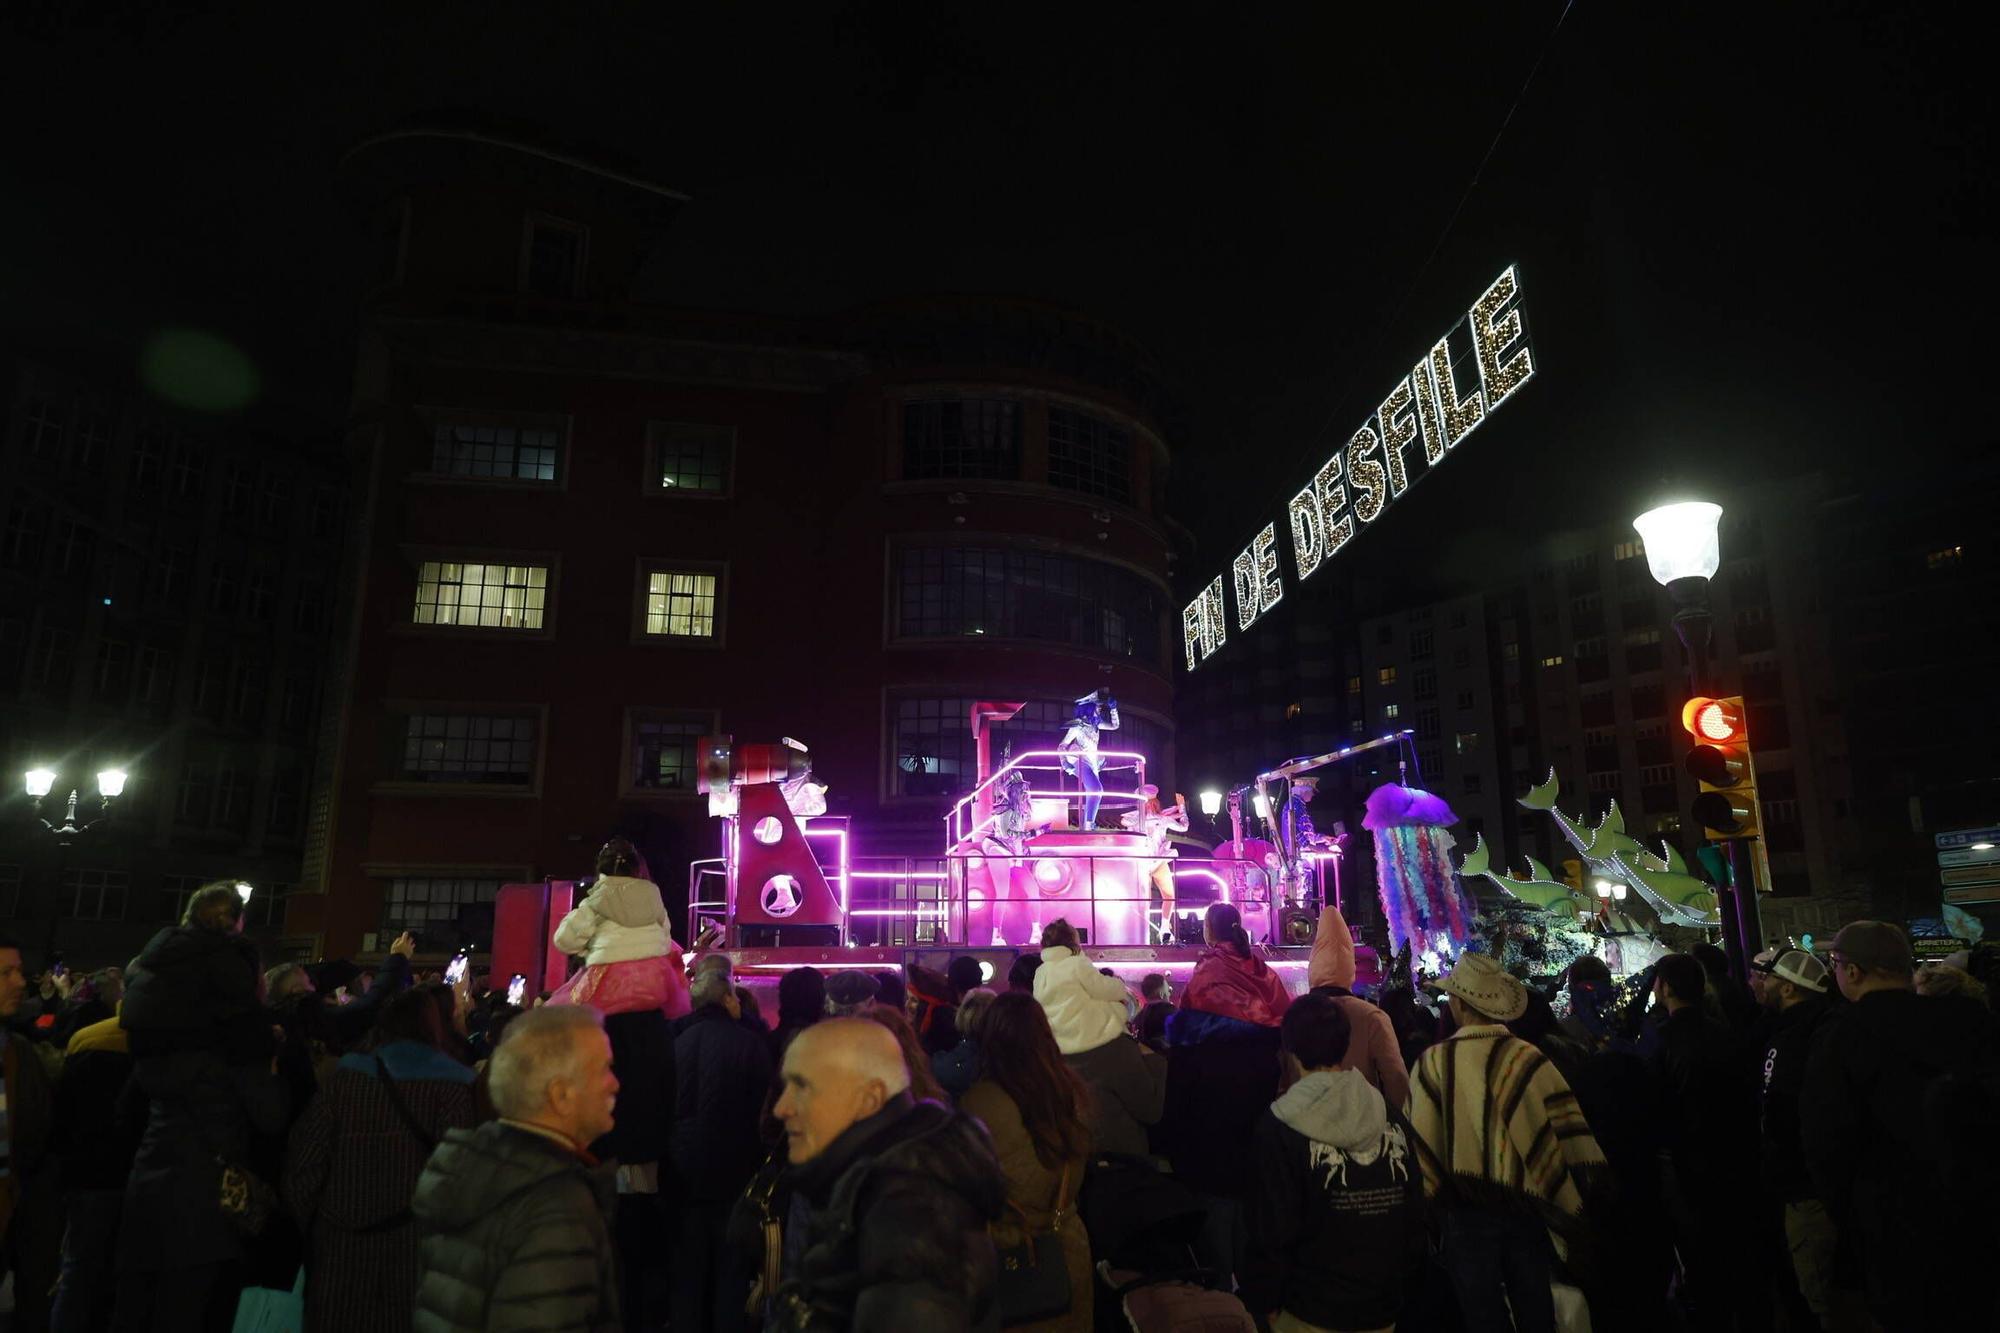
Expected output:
(920, 909)
(1219, 881)
(898, 874)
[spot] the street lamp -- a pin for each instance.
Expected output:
(1683, 551)
(1211, 803)
(244, 891)
(41, 781)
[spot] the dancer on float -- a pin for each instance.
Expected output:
(1095, 712)
(1156, 823)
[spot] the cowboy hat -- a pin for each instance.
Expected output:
(1487, 987)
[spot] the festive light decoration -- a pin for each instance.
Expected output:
(1421, 899)
(1357, 484)
(1662, 879)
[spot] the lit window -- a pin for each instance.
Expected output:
(1386, 676)
(1635, 638)
(1390, 712)
(495, 449)
(1354, 684)
(1292, 711)
(450, 592)
(691, 457)
(1555, 661)
(1466, 742)
(1944, 559)
(484, 749)
(1628, 550)
(680, 604)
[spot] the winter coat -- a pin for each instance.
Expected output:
(620, 919)
(723, 1071)
(642, 1059)
(1706, 1074)
(896, 1216)
(1228, 984)
(1782, 1078)
(1032, 1187)
(1371, 1047)
(1217, 1089)
(1128, 1092)
(514, 1234)
(28, 1122)
(957, 1069)
(350, 1169)
(202, 1110)
(1883, 1160)
(1336, 1212)
(1085, 1008)
(194, 989)
(95, 1147)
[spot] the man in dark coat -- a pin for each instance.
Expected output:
(1902, 1093)
(1793, 988)
(513, 1217)
(723, 1072)
(30, 1191)
(898, 1193)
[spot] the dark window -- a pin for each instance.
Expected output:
(154, 690)
(1597, 710)
(93, 443)
(42, 428)
(1421, 645)
(1020, 594)
(239, 480)
(692, 457)
(1648, 700)
(493, 450)
(962, 437)
(495, 750)
(1424, 682)
(95, 895)
(434, 907)
(274, 499)
(1089, 455)
(665, 751)
(114, 671)
(25, 535)
(196, 797)
(933, 749)
(553, 264)
(232, 800)
(282, 819)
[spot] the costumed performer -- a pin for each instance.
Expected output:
(1095, 712)
(1156, 823)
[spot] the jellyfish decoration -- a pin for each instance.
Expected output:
(1421, 897)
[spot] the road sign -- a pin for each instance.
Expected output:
(1965, 837)
(1969, 857)
(1971, 875)
(1964, 894)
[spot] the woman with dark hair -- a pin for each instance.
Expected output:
(1036, 1109)
(801, 1003)
(354, 1159)
(923, 1083)
(1230, 982)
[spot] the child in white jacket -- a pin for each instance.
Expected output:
(630, 960)
(1085, 1008)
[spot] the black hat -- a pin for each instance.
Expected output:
(850, 987)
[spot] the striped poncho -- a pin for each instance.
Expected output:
(1497, 1125)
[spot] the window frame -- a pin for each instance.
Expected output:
(419, 556)
(646, 566)
(395, 729)
(650, 484)
(634, 715)
(984, 401)
(529, 222)
(437, 418)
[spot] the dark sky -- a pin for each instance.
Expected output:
(1749, 238)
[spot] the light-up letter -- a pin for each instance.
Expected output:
(1333, 500)
(1264, 554)
(1427, 411)
(1214, 620)
(1308, 532)
(1461, 415)
(1399, 428)
(1244, 570)
(1365, 474)
(1493, 332)
(1191, 633)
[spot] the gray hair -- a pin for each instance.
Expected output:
(972, 1010)
(286, 979)
(711, 985)
(539, 1047)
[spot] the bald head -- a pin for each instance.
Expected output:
(837, 1073)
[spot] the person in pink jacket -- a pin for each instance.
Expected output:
(1371, 1047)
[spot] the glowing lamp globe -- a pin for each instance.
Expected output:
(1211, 803)
(39, 781)
(111, 782)
(244, 891)
(1682, 541)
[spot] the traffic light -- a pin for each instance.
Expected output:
(1720, 762)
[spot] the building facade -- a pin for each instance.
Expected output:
(599, 527)
(165, 609)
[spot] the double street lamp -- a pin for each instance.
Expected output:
(40, 781)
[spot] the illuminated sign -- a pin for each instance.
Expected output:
(1354, 487)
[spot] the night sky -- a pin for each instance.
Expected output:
(1749, 240)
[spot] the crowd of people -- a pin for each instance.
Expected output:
(916, 1149)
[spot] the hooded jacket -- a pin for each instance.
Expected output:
(896, 1211)
(1246, 989)
(1085, 1007)
(1336, 1212)
(1371, 1047)
(619, 920)
(514, 1234)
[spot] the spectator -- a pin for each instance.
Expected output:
(723, 1071)
(1021, 976)
(923, 1084)
(1794, 985)
(1128, 1092)
(1759, 973)
(95, 1144)
(1230, 982)
(932, 1008)
(966, 974)
(1705, 1076)
(1504, 1152)
(891, 991)
(1035, 1107)
(897, 1193)
(1732, 997)
(1939, 979)
(1085, 1007)
(1156, 1001)
(851, 994)
(30, 1189)
(642, 1060)
(801, 1003)
(1371, 1046)
(958, 1068)
(1590, 988)
(1896, 1119)
(1336, 1216)
(203, 1056)
(353, 1162)
(620, 930)
(512, 1217)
